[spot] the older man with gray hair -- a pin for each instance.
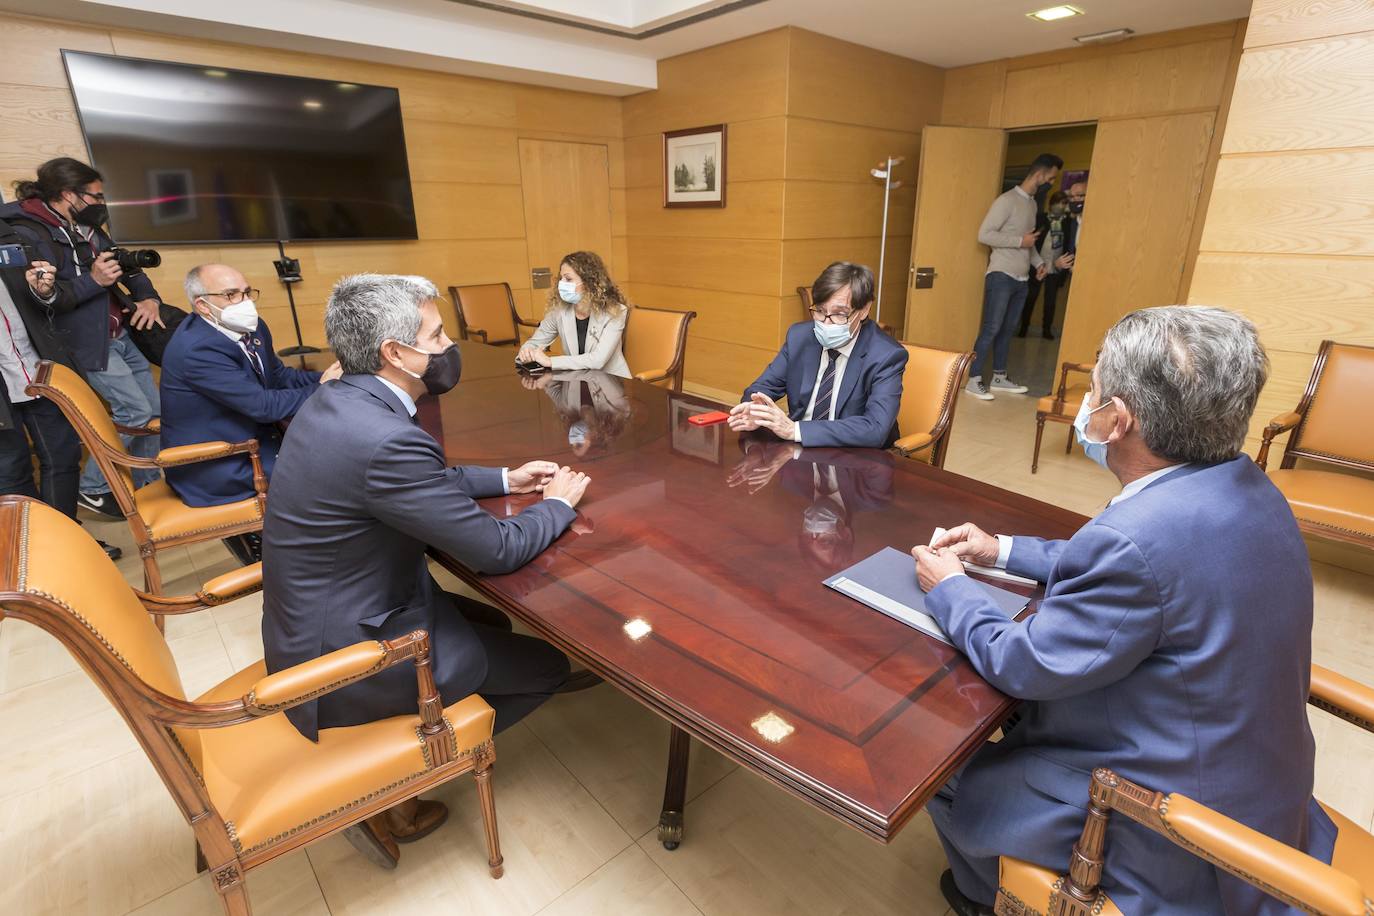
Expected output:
(360, 491)
(1173, 643)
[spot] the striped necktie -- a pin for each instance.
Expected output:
(253, 359)
(822, 410)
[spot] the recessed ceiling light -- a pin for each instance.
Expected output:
(347, 87)
(1103, 37)
(313, 103)
(1051, 13)
(217, 74)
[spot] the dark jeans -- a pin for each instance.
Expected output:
(522, 671)
(1051, 284)
(1003, 297)
(58, 450)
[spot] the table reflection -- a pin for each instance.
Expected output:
(591, 404)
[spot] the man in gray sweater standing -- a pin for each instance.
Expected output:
(1009, 230)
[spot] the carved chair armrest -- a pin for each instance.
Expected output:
(654, 375)
(1274, 867)
(913, 443)
(1280, 424)
(1342, 697)
(203, 451)
(477, 332)
(220, 590)
(1086, 368)
(525, 322)
(312, 680)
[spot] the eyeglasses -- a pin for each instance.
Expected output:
(832, 317)
(99, 198)
(235, 296)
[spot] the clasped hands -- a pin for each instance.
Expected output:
(531, 354)
(548, 478)
(759, 412)
(759, 464)
(945, 556)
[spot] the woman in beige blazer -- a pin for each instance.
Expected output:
(586, 313)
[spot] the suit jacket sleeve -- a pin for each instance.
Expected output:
(1102, 619)
(773, 382)
(871, 428)
(221, 378)
(990, 232)
(281, 375)
(139, 287)
(477, 481)
(409, 488)
(606, 347)
(1034, 557)
(547, 332)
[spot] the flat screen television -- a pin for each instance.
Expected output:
(210, 154)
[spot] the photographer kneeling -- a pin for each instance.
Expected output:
(61, 212)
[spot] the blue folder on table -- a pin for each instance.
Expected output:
(887, 583)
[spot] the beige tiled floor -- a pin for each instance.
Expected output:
(87, 828)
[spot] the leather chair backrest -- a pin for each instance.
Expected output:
(1338, 423)
(60, 561)
(486, 307)
(654, 338)
(930, 384)
(82, 398)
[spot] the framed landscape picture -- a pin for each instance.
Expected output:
(694, 167)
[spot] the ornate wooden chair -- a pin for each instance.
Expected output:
(930, 393)
(487, 312)
(655, 345)
(1343, 888)
(251, 787)
(156, 515)
(1331, 426)
(1062, 406)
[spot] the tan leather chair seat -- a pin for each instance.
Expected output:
(1329, 499)
(1354, 852)
(1073, 396)
(267, 780)
(168, 517)
(1032, 885)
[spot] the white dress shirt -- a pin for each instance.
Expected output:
(840, 365)
(237, 337)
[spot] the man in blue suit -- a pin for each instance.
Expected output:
(841, 374)
(1173, 643)
(360, 492)
(222, 381)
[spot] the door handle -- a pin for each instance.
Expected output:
(923, 277)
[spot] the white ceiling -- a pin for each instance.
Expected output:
(456, 37)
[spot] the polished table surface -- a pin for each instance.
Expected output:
(704, 600)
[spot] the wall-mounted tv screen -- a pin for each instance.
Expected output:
(209, 154)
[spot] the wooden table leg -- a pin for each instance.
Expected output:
(674, 789)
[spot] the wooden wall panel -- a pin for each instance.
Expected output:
(726, 265)
(1313, 95)
(1286, 239)
(833, 80)
(828, 151)
(973, 95)
(462, 137)
(1310, 202)
(1279, 21)
(754, 212)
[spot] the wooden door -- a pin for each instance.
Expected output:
(960, 174)
(1142, 197)
(567, 191)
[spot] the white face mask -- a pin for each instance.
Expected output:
(241, 317)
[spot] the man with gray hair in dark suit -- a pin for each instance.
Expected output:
(359, 493)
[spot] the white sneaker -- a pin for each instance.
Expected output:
(980, 391)
(1002, 383)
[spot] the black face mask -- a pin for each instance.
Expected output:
(1075, 206)
(93, 216)
(442, 371)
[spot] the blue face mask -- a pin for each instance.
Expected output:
(831, 336)
(1097, 451)
(567, 291)
(577, 433)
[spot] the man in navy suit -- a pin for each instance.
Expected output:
(222, 381)
(841, 374)
(1173, 644)
(360, 492)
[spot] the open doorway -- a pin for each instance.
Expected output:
(1035, 348)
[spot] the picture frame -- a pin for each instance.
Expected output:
(174, 194)
(694, 167)
(702, 443)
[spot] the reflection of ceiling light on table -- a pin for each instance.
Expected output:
(772, 727)
(313, 104)
(637, 628)
(1051, 13)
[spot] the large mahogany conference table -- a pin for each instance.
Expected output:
(704, 602)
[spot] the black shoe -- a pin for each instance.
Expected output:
(961, 905)
(579, 680)
(1021, 333)
(111, 551)
(101, 503)
(1049, 335)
